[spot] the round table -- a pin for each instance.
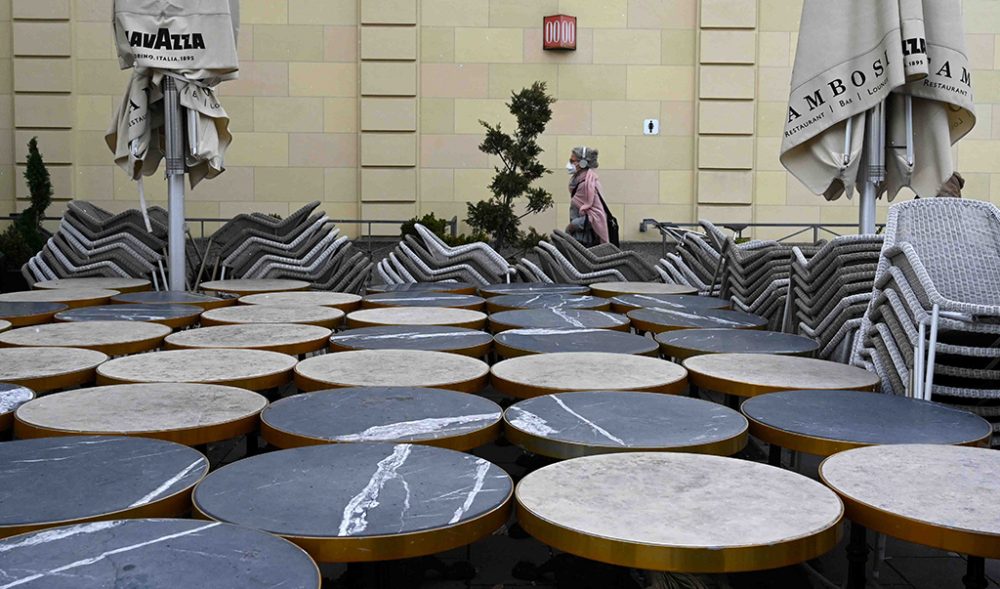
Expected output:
(455, 287)
(12, 396)
(346, 302)
(417, 316)
(171, 297)
(826, 422)
(392, 368)
(114, 338)
(119, 284)
(541, 374)
(557, 318)
(628, 302)
(327, 317)
(545, 301)
(189, 414)
(173, 316)
(522, 288)
(413, 415)
(433, 338)
(684, 343)
(82, 297)
(55, 481)
(161, 554)
(249, 369)
(446, 300)
(48, 369)
(248, 286)
(4, 325)
(931, 494)
(23, 314)
(570, 425)
(658, 319)
(385, 501)
(287, 338)
(613, 289)
(521, 342)
(691, 513)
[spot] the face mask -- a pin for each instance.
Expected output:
(571, 168)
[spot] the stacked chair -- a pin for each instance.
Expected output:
(565, 260)
(429, 259)
(696, 261)
(932, 327)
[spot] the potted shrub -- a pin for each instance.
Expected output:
(25, 237)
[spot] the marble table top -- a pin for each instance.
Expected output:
(931, 494)
(416, 316)
(246, 286)
(170, 315)
(111, 337)
(447, 300)
(628, 302)
(434, 338)
(540, 374)
(287, 338)
(4, 325)
(12, 396)
(346, 302)
(249, 369)
(556, 318)
(170, 297)
(392, 368)
(613, 289)
(154, 554)
(685, 343)
(53, 481)
(438, 499)
(749, 375)
(569, 425)
(455, 287)
(519, 342)
(80, 297)
(698, 522)
(437, 417)
(119, 284)
(658, 319)
(47, 369)
(21, 314)
(533, 288)
(328, 317)
(827, 422)
(545, 301)
(190, 414)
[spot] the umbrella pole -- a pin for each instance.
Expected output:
(173, 123)
(874, 168)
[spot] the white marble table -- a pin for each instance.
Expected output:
(20, 314)
(690, 513)
(287, 338)
(327, 317)
(189, 414)
(417, 316)
(72, 298)
(120, 284)
(114, 338)
(748, 375)
(249, 369)
(12, 396)
(541, 374)
(249, 286)
(171, 297)
(613, 289)
(173, 316)
(346, 302)
(392, 368)
(48, 369)
(433, 338)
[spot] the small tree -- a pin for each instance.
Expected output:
(518, 153)
(24, 238)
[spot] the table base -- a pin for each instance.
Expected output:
(392, 574)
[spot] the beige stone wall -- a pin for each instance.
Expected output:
(372, 106)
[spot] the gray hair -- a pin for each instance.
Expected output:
(587, 153)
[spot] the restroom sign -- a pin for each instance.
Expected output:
(559, 32)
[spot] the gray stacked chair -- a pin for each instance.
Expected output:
(528, 271)
(429, 259)
(266, 225)
(556, 265)
(932, 327)
(696, 262)
(249, 255)
(479, 255)
(604, 256)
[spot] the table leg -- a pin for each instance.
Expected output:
(857, 557)
(733, 402)
(774, 454)
(975, 573)
(693, 391)
(253, 444)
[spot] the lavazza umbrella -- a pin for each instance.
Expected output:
(880, 92)
(179, 51)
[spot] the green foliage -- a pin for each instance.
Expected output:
(529, 239)
(440, 228)
(24, 238)
(518, 153)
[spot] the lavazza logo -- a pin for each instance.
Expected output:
(163, 40)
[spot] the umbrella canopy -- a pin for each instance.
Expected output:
(903, 60)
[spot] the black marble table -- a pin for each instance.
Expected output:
(555, 318)
(569, 425)
(413, 415)
(521, 342)
(174, 316)
(12, 396)
(172, 297)
(455, 287)
(55, 481)
(494, 290)
(658, 319)
(684, 343)
(545, 301)
(824, 422)
(433, 338)
(364, 501)
(21, 314)
(154, 554)
(628, 302)
(447, 300)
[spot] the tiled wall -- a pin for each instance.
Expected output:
(372, 106)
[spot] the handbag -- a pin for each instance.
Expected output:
(612, 223)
